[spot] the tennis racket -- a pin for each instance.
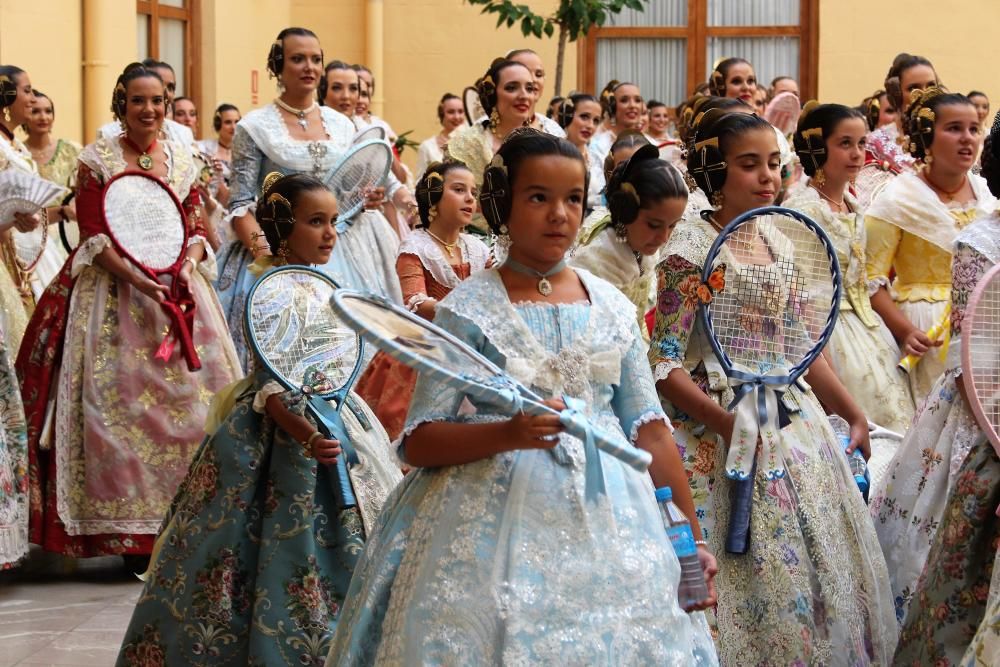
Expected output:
(367, 134)
(364, 168)
(303, 344)
(435, 352)
(148, 227)
(769, 301)
(981, 354)
(473, 107)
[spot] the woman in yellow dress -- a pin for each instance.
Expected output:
(912, 225)
(56, 158)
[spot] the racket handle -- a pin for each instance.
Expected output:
(910, 361)
(741, 502)
(342, 488)
(631, 456)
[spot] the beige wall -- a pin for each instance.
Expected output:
(859, 38)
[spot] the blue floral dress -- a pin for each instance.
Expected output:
(254, 558)
(813, 588)
(505, 560)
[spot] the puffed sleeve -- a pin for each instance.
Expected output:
(247, 159)
(635, 401)
(88, 203)
(676, 310)
(883, 243)
(434, 400)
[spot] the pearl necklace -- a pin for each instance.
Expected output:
(841, 205)
(301, 113)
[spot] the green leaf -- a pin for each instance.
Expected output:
(549, 29)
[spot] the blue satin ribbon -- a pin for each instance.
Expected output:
(765, 425)
(573, 416)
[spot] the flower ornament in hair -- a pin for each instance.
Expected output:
(486, 86)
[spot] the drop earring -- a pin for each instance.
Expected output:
(717, 199)
(620, 233)
(928, 158)
(6, 114)
(283, 250)
(432, 213)
(819, 178)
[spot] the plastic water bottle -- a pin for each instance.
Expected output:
(692, 588)
(859, 467)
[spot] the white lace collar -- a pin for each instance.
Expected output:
(106, 158)
(593, 358)
(983, 236)
(14, 153)
(420, 243)
(269, 133)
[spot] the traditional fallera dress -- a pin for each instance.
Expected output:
(424, 271)
(31, 284)
(256, 555)
(364, 255)
(111, 429)
(509, 559)
(936, 503)
(862, 350)
(607, 256)
(813, 588)
(912, 232)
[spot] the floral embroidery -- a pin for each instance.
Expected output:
(147, 650)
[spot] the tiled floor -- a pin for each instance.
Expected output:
(70, 618)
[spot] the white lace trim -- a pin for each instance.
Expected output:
(87, 251)
(662, 370)
(209, 265)
(875, 284)
(427, 250)
(984, 237)
(646, 418)
(269, 133)
(269, 389)
(105, 157)
(226, 224)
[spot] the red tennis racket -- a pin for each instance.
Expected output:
(981, 354)
(147, 224)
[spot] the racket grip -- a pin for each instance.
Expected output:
(342, 483)
(741, 502)
(910, 361)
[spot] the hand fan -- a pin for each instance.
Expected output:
(432, 350)
(473, 107)
(981, 354)
(783, 112)
(148, 227)
(306, 347)
(364, 168)
(769, 300)
(21, 192)
(367, 134)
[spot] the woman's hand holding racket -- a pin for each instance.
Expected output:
(326, 451)
(917, 343)
(374, 198)
(525, 431)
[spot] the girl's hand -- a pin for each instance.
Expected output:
(535, 432)
(374, 198)
(26, 222)
(710, 567)
(184, 276)
(726, 428)
(917, 343)
(150, 288)
(326, 451)
(860, 438)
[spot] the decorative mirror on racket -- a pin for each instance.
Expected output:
(367, 134)
(21, 192)
(364, 168)
(981, 354)
(473, 107)
(148, 227)
(769, 299)
(435, 352)
(306, 347)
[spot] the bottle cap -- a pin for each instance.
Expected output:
(664, 494)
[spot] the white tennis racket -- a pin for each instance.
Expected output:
(981, 354)
(364, 168)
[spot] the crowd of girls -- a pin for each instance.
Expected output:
(567, 248)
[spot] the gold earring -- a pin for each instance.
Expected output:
(820, 177)
(283, 250)
(432, 213)
(928, 158)
(6, 114)
(717, 199)
(494, 119)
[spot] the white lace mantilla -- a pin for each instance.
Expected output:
(106, 158)
(420, 243)
(593, 359)
(984, 237)
(268, 131)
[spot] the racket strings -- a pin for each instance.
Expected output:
(145, 221)
(361, 172)
(984, 352)
(779, 294)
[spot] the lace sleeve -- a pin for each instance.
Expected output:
(635, 401)
(247, 159)
(880, 251)
(676, 308)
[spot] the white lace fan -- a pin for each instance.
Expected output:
(21, 192)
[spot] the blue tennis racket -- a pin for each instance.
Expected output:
(364, 168)
(435, 352)
(303, 344)
(767, 324)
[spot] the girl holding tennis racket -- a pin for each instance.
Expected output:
(813, 586)
(120, 345)
(493, 550)
(946, 553)
(255, 528)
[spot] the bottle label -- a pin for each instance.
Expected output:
(682, 540)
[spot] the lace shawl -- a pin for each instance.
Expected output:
(607, 257)
(911, 205)
(106, 159)
(984, 237)
(420, 243)
(174, 131)
(592, 359)
(267, 129)
(472, 145)
(15, 155)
